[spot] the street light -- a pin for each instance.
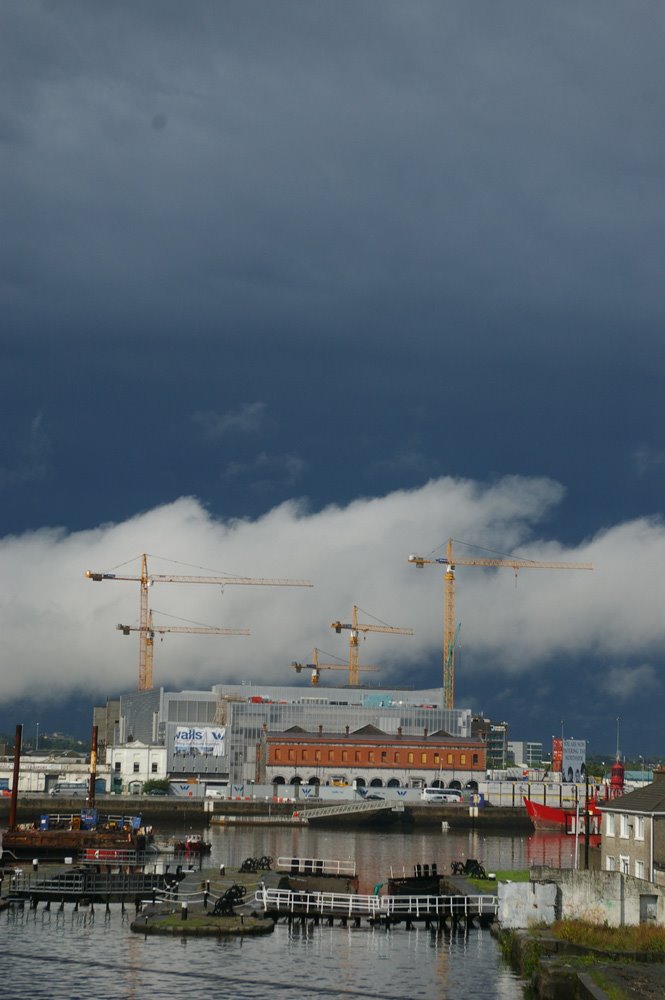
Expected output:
(37, 737)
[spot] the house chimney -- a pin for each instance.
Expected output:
(425, 732)
(659, 773)
(347, 730)
(399, 730)
(320, 730)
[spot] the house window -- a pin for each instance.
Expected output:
(609, 864)
(116, 767)
(462, 759)
(304, 755)
(450, 758)
(423, 758)
(609, 824)
(278, 753)
(623, 825)
(437, 758)
(410, 757)
(639, 869)
(317, 755)
(384, 756)
(639, 829)
(136, 767)
(153, 767)
(396, 756)
(292, 754)
(331, 755)
(345, 755)
(370, 756)
(475, 760)
(624, 864)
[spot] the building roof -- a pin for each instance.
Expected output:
(650, 799)
(371, 734)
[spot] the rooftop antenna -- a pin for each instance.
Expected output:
(618, 754)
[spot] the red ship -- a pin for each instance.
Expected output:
(555, 818)
(568, 820)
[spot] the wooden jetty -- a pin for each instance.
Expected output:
(92, 883)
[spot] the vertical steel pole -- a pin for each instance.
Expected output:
(17, 767)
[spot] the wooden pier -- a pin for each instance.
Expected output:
(86, 883)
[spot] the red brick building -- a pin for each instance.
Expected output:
(369, 757)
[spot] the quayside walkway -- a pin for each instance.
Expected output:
(328, 907)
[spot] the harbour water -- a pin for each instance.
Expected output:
(73, 954)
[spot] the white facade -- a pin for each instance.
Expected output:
(40, 773)
(132, 764)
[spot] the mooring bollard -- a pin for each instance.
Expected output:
(205, 899)
(35, 864)
(183, 911)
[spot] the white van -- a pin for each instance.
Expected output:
(441, 795)
(70, 789)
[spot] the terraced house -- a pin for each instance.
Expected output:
(633, 832)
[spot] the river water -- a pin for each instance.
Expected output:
(82, 954)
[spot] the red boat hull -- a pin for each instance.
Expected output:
(560, 820)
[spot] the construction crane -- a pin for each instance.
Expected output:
(355, 629)
(450, 562)
(146, 580)
(316, 667)
(148, 638)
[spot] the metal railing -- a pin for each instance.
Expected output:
(374, 907)
(316, 866)
(340, 808)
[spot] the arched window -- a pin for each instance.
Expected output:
(314, 780)
(376, 783)
(392, 783)
(278, 780)
(360, 782)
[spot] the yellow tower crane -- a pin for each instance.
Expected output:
(316, 667)
(450, 562)
(146, 580)
(355, 629)
(148, 633)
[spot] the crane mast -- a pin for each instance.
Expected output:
(146, 580)
(449, 561)
(355, 628)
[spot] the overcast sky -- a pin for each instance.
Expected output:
(295, 289)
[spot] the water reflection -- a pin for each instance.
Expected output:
(65, 954)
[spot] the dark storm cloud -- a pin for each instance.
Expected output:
(316, 163)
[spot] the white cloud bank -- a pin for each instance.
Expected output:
(59, 632)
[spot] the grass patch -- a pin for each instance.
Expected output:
(613, 991)
(642, 938)
(489, 885)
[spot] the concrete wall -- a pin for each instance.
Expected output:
(525, 904)
(599, 897)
